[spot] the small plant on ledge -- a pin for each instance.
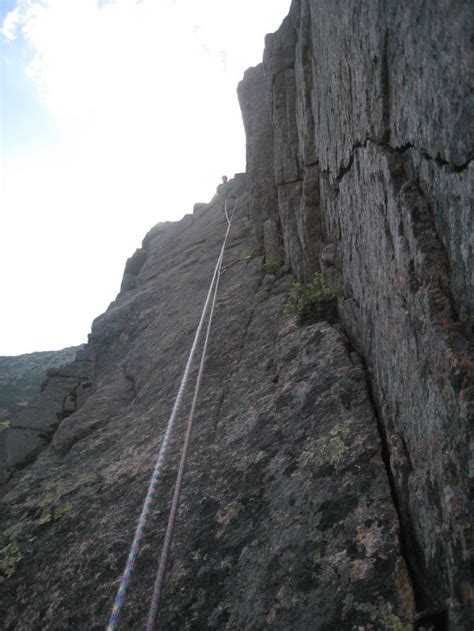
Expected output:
(313, 301)
(272, 266)
(247, 255)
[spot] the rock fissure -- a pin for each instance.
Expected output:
(406, 534)
(388, 210)
(454, 168)
(385, 89)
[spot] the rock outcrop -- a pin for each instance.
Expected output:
(327, 486)
(22, 375)
(27, 422)
(369, 106)
(287, 519)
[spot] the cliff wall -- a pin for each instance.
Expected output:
(327, 482)
(286, 520)
(360, 142)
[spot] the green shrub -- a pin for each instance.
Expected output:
(271, 266)
(248, 254)
(10, 556)
(313, 301)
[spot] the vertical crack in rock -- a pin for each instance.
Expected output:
(389, 90)
(385, 87)
(407, 536)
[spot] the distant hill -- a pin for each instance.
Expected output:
(21, 376)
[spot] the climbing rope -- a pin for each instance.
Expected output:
(161, 574)
(226, 213)
(147, 506)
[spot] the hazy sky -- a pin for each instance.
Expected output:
(116, 114)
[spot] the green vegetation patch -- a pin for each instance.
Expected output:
(249, 459)
(272, 266)
(229, 513)
(247, 255)
(392, 622)
(331, 448)
(336, 448)
(10, 556)
(306, 459)
(313, 301)
(37, 514)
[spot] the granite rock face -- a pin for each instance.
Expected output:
(286, 520)
(327, 486)
(371, 108)
(22, 375)
(29, 419)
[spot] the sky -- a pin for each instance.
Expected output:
(115, 115)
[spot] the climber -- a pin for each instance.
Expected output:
(225, 188)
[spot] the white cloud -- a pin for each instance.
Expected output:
(147, 120)
(10, 24)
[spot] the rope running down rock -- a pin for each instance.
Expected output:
(150, 496)
(161, 574)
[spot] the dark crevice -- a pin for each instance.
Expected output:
(404, 533)
(409, 548)
(298, 179)
(343, 170)
(455, 168)
(131, 381)
(401, 149)
(431, 620)
(219, 407)
(385, 85)
(438, 160)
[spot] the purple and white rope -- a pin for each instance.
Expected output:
(161, 575)
(147, 506)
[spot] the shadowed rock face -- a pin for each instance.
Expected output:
(374, 101)
(286, 519)
(21, 376)
(24, 429)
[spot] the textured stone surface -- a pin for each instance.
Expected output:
(359, 129)
(397, 309)
(30, 426)
(255, 107)
(21, 376)
(286, 519)
(276, 165)
(377, 99)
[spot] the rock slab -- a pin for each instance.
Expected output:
(286, 519)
